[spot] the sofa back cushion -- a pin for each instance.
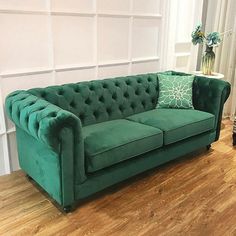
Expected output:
(102, 100)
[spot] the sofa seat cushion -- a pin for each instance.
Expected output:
(176, 124)
(110, 142)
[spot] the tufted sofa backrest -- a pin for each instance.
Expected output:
(102, 100)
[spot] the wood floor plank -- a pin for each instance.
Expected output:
(194, 195)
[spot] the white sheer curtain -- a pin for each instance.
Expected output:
(181, 18)
(222, 17)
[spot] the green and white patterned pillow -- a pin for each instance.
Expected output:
(175, 91)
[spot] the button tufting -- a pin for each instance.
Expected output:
(101, 99)
(81, 116)
(76, 90)
(54, 114)
(126, 95)
(104, 86)
(60, 92)
(108, 110)
(41, 108)
(72, 104)
(88, 101)
(114, 96)
(128, 82)
(95, 113)
(91, 88)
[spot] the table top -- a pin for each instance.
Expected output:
(214, 75)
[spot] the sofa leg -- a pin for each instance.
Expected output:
(208, 147)
(28, 177)
(234, 139)
(67, 209)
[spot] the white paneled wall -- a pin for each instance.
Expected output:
(45, 42)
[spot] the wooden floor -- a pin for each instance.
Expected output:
(194, 195)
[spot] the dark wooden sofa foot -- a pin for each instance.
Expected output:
(208, 147)
(28, 177)
(234, 139)
(67, 209)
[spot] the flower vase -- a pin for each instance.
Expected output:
(208, 61)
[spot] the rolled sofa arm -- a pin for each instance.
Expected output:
(39, 118)
(209, 95)
(44, 121)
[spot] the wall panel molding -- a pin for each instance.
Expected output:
(82, 40)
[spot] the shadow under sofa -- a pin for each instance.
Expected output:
(77, 139)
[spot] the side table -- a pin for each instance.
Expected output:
(214, 75)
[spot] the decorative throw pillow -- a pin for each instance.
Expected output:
(175, 91)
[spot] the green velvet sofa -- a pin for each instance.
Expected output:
(77, 139)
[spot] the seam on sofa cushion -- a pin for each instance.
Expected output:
(185, 137)
(165, 131)
(131, 156)
(170, 129)
(195, 122)
(97, 153)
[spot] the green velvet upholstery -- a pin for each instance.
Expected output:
(177, 124)
(110, 142)
(117, 173)
(44, 122)
(41, 163)
(71, 138)
(209, 95)
(103, 100)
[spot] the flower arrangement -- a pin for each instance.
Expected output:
(211, 40)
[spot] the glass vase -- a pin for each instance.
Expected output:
(208, 61)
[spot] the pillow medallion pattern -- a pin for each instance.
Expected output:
(175, 91)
